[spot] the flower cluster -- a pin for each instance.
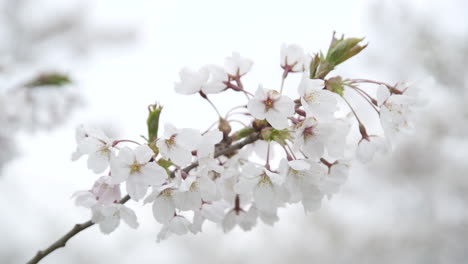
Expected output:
(190, 177)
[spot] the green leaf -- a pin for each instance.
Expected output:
(49, 79)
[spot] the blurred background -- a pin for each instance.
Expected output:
(64, 63)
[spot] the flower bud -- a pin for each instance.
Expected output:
(153, 122)
(224, 127)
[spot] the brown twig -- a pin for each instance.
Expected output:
(61, 242)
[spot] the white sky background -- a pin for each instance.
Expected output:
(118, 84)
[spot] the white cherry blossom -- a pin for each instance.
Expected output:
(311, 137)
(95, 144)
(292, 56)
(178, 225)
(236, 65)
(316, 101)
(272, 106)
(265, 186)
(135, 168)
(193, 191)
(191, 81)
(245, 219)
(217, 80)
(302, 182)
(395, 110)
(369, 146)
(108, 217)
(178, 144)
(336, 177)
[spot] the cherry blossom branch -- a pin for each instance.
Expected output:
(61, 242)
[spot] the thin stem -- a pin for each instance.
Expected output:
(237, 113)
(282, 83)
(288, 156)
(366, 97)
(116, 142)
(267, 164)
(352, 109)
(392, 88)
(290, 150)
(370, 81)
(61, 242)
(239, 122)
(234, 108)
(214, 107)
(210, 127)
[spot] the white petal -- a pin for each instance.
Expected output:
(128, 216)
(179, 225)
(135, 189)
(264, 197)
(229, 221)
(109, 224)
(187, 200)
(276, 121)
(245, 185)
(249, 219)
(180, 156)
(153, 174)
(143, 154)
(163, 209)
(126, 156)
(311, 198)
(207, 189)
(98, 161)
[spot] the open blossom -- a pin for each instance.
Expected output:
(272, 106)
(265, 186)
(292, 58)
(193, 190)
(135, 168)
(206, 148)
(316, 101)
(108, 217)
(103, 199)
(311, 137)
(302, 182)
(209, 79)
(395, 110)
(191, 81)
(164, 207)
(178, 225)
(245, 219)
(368, 146)
(217, 80)
(178, 144)
(336, 177)
(236, 65)
(95, 144)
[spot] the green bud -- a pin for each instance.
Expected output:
(153, 122)
(280, 136)
(335, 85)
(314, 65)
(245, 132)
